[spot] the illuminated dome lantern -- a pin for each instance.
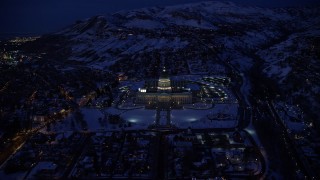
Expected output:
(164, 83)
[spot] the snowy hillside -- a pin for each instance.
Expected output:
(282, 43)
(102, 40)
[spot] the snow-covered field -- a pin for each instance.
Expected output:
(94, 119)
(198, 119)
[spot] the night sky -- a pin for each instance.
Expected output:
(43, 16)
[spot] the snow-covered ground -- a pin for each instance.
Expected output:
(291, 116)
(92, 120)
(198, 119)
(141, 118)
(95, 119)
(145, 24)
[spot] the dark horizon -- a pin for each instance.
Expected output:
(35, 17)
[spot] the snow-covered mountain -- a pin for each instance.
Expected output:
(283, 43)
(104, 39)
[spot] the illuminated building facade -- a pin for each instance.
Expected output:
(164, 91)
